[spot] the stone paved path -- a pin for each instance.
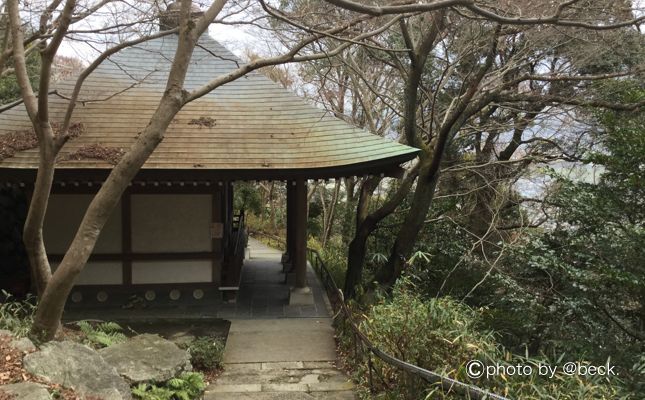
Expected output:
(263, 292)
(275, 353)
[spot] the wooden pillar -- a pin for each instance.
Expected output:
(226, 212)
(300, 233)
(218, 237)
(230, 206)
(290, 221)
(126, 237)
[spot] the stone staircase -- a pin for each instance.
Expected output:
(294, 380)
(277, 351)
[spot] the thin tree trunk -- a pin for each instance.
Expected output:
(32, 232)
(350, 204)
(323, 205)
(272, 207)
(329, 220)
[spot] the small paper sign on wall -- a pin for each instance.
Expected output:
(217, 230)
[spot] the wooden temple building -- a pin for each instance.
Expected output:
(175, 231)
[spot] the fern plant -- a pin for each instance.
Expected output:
(103, 334)
(188, 386)
(16, 316)
(145, 391)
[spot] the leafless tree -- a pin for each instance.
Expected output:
(57, 21)
(474, 78)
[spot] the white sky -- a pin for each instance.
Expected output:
(236, 38)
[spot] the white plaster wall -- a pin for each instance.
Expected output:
(171, 272)
(100, 273)
(167, 223)
(64, 214)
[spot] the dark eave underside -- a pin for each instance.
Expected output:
(387, 167)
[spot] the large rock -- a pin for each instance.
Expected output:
(23, 345)
(147, 358)
(77, 367)
(26, 391)
(4, 332)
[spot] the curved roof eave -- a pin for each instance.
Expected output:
(387, 167)
(251, 127)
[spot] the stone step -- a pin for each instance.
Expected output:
(346, 395)
(308, 376)
(281, 380)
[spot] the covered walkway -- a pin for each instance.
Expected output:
(276, 350)
(263, 292)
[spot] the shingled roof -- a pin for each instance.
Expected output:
(249, 128)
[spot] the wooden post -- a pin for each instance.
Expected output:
(126, 237)
(218, 210)
(290, 223)
(300, 233)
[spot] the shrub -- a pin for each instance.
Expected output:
(17, 316)
(442, 335)
(334, 256)
(438, 335)
(188, 386)
(206, 352)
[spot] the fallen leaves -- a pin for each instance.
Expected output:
(11, 371)
(17, 141)
(14, 142)
(203, 121)
(96, 151)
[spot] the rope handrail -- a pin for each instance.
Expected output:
(448, 384)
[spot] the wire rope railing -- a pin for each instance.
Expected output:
(362, 342)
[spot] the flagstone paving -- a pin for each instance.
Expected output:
(278, 355)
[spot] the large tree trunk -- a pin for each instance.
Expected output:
(356, 258)
(358, 245)
(366, 223)
(50, 308)
(409, 231)
(52, 302)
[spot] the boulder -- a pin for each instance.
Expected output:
(26, 391)
(147, 358)
(77, 367)
(4, 332)
(23, 345)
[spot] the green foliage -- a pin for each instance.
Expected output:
(17, 316)
(442, 335)
(574, 286)
(188, 386)
(586, 272)
(103, 334)
(9, 89)
(438, 335)
(146, 391)
(206, 352)
(247, 197)
(334, 256)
